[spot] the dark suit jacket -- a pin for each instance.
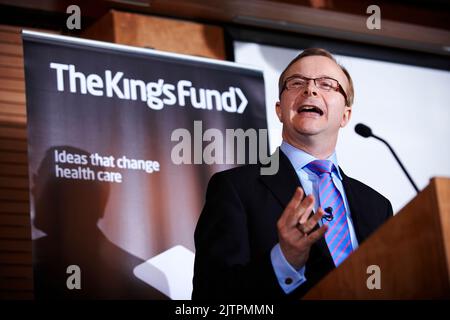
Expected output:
(237, 230)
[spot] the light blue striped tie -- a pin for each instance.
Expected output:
(337, 236)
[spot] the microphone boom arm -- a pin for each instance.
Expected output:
(399, 162)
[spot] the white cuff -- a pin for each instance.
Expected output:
(288, 278)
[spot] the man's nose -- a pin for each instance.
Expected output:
(310, 89)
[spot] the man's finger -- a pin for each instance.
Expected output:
(304, 210)
(309, 224)
(316, 235)
(289, 212)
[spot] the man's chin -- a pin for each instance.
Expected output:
(308, 131)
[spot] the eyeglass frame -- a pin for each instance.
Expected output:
(338, 89)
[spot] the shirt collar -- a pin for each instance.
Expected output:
(300, 158)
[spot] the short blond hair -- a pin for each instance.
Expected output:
(324, 53)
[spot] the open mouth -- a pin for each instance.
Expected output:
(310, 108)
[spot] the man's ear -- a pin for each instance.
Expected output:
(346, 116)
(278, 110)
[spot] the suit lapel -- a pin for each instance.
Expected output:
(283, 183)
(359, 211)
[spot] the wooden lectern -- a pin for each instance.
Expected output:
(412, 250)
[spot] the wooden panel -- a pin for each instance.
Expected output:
(16, 284)
(13, 207)
(12, 29)
(14, 170)
(13, 157)
(292, 16)
(15, 219)
(10, 37)
(21, 213)
(13, 133)
(15, 246)
(11, 61)
(8, 72)
(11, 84)
(161, 34)
(13, 145)
(18, 294)
(11, 49)
(22, 233)
(101, 30)
(14, 183)
(12, 118)
(11, 96)
(16, 271)
(14, 194)
(16, 275)
(20, 258)
(13, 108)
(443, 207)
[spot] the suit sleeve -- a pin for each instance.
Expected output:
(225, 267)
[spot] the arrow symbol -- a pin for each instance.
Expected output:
(244, 100)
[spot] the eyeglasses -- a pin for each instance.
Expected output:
(323, 83)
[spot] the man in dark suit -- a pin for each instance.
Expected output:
(275, 236)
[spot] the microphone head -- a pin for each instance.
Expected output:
(328, 216)
(363, 130)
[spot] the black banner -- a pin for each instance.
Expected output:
(122, 142)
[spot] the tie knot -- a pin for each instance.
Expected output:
(319, 167)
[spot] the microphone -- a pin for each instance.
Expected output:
(366, 132)
(328, 214)
(363, 130)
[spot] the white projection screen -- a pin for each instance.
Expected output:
(408, 106)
